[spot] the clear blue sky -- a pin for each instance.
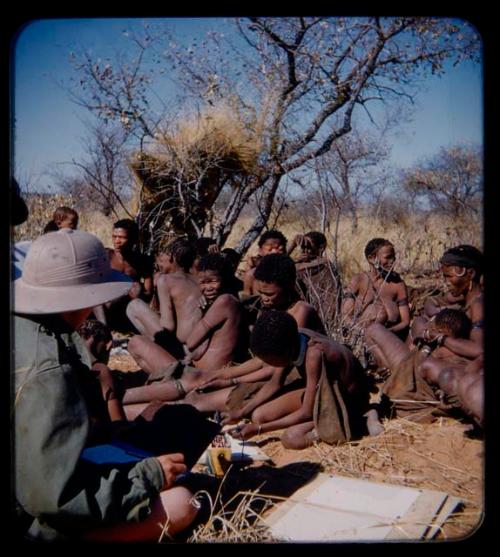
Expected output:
(48, 125)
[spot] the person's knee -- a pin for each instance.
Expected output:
(135, 345)
(179, 507)
(132, 310)
(447, 381)
(299, 437)
(259, 416)
(292, 440)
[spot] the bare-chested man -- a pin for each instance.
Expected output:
(212, 344)
(126, 258)
(380, 295)
(272, 241)
(179, 299)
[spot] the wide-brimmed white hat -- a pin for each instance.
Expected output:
(65, 271)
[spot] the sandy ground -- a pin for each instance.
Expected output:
(443, 456)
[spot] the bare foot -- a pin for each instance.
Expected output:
(373, 423)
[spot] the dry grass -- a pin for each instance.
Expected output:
(434, 456)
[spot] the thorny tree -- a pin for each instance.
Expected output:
(451, 181)
(296, 82)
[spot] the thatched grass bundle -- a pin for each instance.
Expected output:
(185, 169)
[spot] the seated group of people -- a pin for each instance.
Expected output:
(198, 340)
(255, 350)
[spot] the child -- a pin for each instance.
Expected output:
(63, 217)
(213, 342)
(272, 241)
(380, 295)
(312, 245)
(98, 340)
(179, 299)
(334, 398)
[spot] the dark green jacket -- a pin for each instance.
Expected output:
(52, 409)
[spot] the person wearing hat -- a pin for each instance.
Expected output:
(58, 494)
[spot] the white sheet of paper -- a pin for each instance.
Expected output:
(334, 508)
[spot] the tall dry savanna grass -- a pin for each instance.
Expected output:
(419, 239)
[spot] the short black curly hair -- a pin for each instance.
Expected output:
(183, 251)
(374, 245)
(466, 256)
(272, 234)
(455, 320)
(216, 262)
(131, 227)
(202, 244)
(317, 238)
(274, 333)
(278, 268)
(93, 328)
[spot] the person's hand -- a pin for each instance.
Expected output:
(231, 417)
(172, 465)
(213, 384)
(213, 248)
(135, 290)
(297, 240)
(202, 303)
(245, 432)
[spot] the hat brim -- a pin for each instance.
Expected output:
(40, 300)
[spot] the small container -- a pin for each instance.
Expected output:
(219, 455)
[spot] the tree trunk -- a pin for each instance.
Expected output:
(261, 221)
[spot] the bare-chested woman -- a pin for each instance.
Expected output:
(379, 296)
(462, 268)
(213, 343)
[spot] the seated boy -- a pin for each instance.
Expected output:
(272, 241)
(378, 296)
(179, 300)
(214, 342)
(333, 401)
